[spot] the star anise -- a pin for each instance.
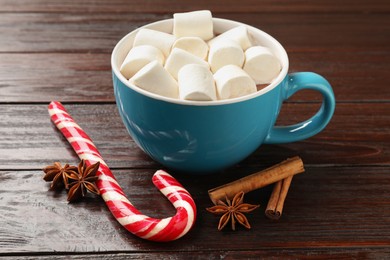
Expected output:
(58, 175)
(82, 181)
(233, 211)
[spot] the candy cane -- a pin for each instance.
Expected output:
(145, 227)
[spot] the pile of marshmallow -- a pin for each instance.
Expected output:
(192, 64)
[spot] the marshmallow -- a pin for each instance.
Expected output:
(155, 79)
(160, 40)
(224, 53)
(261, 64)
(196, 82)
(232, 82)
(197, 23)
(178, 58)
(138, 57)
(194, 45)
(238, 34)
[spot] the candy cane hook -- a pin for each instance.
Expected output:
(128, 216)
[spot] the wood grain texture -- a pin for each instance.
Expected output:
(325, 208)
(45, 77)
(28, 139)
(75, 77)
(29, 129)
(42, 32)
(160, 6)
(296, 253)
(99, 32)
(60, 50)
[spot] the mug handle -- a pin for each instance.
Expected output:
(291, 133)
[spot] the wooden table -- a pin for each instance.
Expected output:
(60, 50)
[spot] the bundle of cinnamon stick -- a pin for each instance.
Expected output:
(281, 174)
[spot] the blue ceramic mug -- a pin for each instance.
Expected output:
(207, 136)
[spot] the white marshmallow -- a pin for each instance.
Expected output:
(196, 23)
(232, 82)
(238, 34)
(138, 57)
(261, 64)
(178, 58)
(160, 40)
(194, 45)
(225, 52)
(196, 82)
(155, 79)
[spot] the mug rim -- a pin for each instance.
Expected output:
(281, 53)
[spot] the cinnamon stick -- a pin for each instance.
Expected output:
(276, 202)
(258, 180)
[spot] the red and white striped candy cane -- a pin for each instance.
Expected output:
(145, 227)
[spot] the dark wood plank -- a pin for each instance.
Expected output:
(323, 32)
(123, 6)
(71, 77)
(338, 209)
(354, 76)
(41, 32)
(97, 32)
(30, 130)
(332, 207)
(301, 253)
(357, 135)
(56, 76)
